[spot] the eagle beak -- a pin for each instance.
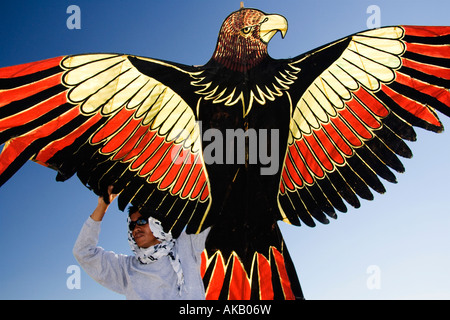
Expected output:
(270, 25)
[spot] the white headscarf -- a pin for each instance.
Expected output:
(153, 253)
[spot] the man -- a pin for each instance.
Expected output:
(162, 268)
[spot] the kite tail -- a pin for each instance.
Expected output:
(250, 274)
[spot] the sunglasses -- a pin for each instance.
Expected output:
(139, 222)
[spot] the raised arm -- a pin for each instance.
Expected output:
(103, 205)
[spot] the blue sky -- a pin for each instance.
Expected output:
(403, 233)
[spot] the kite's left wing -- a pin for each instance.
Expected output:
(355, 102)
(111, 119)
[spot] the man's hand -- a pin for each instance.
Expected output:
(102, 206)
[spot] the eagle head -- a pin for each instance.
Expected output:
(244, 36)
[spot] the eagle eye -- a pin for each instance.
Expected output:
(247, 30)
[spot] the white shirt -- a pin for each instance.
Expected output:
(125, 275)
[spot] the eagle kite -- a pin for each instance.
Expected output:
(238, 143)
